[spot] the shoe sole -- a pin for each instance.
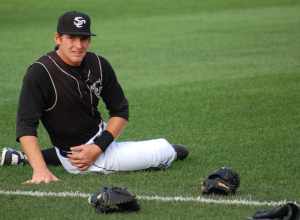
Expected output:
(3, 156)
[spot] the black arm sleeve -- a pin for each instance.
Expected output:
(32, 101)
(112, 93)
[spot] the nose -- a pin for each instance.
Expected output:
(78, 43)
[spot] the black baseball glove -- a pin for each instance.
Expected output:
(223, 181)
(113, 199)
(289, 211)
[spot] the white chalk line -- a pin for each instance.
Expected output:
(204, 200)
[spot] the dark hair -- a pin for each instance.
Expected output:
(57, 46)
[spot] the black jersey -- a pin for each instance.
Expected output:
(65, 98)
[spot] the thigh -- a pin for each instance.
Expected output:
(137, 155)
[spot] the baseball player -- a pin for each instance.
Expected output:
(62, 90)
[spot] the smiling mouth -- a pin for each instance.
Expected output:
(78, 53)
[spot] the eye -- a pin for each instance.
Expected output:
(69, 37)
(84, 38)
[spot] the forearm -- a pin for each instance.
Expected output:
(32, 150)
(115, 126)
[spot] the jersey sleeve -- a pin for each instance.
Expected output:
(32, 101)
(112, 93)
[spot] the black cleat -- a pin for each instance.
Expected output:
(181, 151)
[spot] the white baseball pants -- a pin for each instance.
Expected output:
(127, 156)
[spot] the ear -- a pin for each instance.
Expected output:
(57, 38)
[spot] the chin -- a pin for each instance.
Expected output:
(77, 60)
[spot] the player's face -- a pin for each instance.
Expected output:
(72, 49)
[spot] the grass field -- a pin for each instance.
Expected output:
(221, 77)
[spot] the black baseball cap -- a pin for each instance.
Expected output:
(74, 23)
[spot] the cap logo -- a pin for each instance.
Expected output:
(79, 22)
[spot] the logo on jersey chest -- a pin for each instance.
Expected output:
(96, 88)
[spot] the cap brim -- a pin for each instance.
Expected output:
(78, 33)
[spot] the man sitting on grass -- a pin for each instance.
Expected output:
(62, 90)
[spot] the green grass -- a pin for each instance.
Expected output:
(221, 77)
(51, 208)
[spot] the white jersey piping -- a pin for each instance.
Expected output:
(56, 97)
(99, 62)
(68, 74)
(88, 77)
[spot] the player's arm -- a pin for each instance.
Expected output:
(117, 106)
(116, 125)
(41, 173)
(32, 101)
(115, 101)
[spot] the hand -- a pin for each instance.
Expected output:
(42, 176)
(83, 156)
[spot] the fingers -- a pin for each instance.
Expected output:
(39, 181)
(75, 153)
(77, 163)
(41, 176)
(78, 160)
(83, 156)
(74, 156)
(77, 148)
(81, 165)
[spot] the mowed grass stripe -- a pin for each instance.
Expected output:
(207, 200)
